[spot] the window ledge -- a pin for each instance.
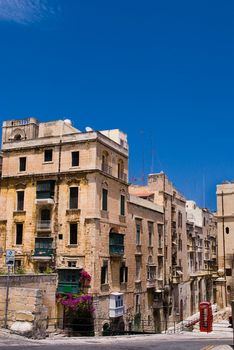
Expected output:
(105, 214)
(49, 162)
(72, 245)
(75, 167)
(19, 212)
(122, 218)
(72, 211)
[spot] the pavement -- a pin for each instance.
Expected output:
(221, 333)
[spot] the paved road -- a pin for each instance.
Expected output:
(129, 345)
(219, 339)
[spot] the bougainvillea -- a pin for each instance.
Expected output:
(85, 279)
(80, 304)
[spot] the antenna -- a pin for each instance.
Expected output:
(143, 157)
(152, 154)
(204, 190)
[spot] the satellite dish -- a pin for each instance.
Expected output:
(87, 129)
(68, 121)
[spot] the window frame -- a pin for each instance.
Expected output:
(105, 199)
(19, 233)
(75, 158)
(138, 233)
(22, 164)
(20, 203)
(48, 155)
(73, 241)
(104, 273)
(122, 205)
(71, 199)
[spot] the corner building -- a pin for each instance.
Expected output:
(65, 206)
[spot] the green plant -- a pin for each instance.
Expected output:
(20, 271)
(48, 270)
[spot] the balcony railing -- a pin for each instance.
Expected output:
(123, 176)
(43, 247)
(106, 168)
(116, 249)
(68, 287)
(44, 225)
(43, 252)
(116, 246)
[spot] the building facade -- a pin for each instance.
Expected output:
(67, 207)
(225, 221)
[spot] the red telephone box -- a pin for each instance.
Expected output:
(206, 317)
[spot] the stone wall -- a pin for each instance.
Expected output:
(32, 301)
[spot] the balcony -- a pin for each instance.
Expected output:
(43, 249)
(44, 201)
(177, 275)
(160, 251)
(106, 168)
(123, 177)
(45, 192)
(116, 246)
(158, 302)
(116, 305)
(44, 225)
(69, 281)
(151, 282)
(151, 276)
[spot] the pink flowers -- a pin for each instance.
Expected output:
(78, 303)
(85, 279)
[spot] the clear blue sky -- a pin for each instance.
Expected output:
(161, 71)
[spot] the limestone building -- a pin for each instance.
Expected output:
(189, 247)
(225, 220)
(65, 206)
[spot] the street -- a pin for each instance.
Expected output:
(158, 342)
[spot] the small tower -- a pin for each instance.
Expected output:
(19, 130)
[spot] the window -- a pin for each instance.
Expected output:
(73, 233)
(150, 232)
(75, 158)
(122, 205)
(19, 233)
(104, 273)
(73, 204)
(138, 268)
(160, 235)
(138, 304)
(104, 199)
(71, 264)
(123, 276)
(48, 155)
(20, 200)
(228, 272)
(138, 233)
(22, 164)
(180, 218)
(180, 243)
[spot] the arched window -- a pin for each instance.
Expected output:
(17, 137)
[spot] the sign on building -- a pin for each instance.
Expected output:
(10, 257)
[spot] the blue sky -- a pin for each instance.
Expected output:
(160, 70)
